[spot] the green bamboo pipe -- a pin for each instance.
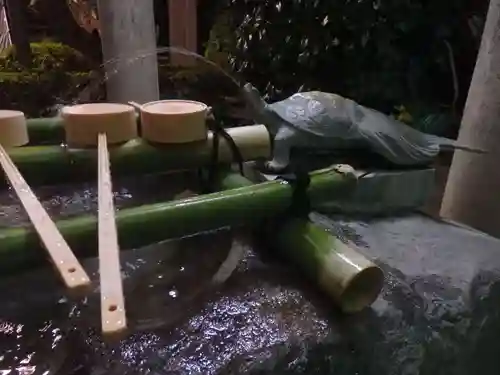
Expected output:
(49, 130)
(343, 273)
(339, 270)
(49, 165)
(140, 226)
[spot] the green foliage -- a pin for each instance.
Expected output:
(381, 53)
(47, 55)
(220, 41)
(55, 71)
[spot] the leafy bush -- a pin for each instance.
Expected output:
(382, 53)
(55, 71)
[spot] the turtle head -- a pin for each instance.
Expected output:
(255, 104)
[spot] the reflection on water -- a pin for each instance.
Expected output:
(180, 320)
(178, 323)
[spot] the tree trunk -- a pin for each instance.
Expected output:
(472, 194)
(129, 39)
(16, 17)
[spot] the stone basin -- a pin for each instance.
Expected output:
(439, 312)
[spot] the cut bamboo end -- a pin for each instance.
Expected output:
(348, 276)
(174, 121)
(362, 290)
(253, 142)
(84, 122)
(72, 273)
(340, 270)
(113, 316)
(13, 129)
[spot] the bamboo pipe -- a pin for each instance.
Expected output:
(137, 156)
(140, 226)
(46, 130)
(343, 273)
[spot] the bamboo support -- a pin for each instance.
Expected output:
(60, 164)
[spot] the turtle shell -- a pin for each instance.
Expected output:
(333, 116)
(320, 113)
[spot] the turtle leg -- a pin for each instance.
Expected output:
(283, 143)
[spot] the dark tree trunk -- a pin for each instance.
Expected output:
(63, 27)
(16, 17)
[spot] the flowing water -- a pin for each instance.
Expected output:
(112, 66)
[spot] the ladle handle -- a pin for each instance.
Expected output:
(136, 105)
(113, 317)
(72, 273)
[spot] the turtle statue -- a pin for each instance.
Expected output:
(325, 121)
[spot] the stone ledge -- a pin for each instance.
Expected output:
(379, 192)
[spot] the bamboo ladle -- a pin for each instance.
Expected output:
(173, 121)
(113, 316)
(104, 123)
(13, 133)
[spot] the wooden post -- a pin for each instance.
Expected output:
(128, 36)
(183, 29)
(472, 194)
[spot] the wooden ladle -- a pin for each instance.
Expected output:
(13, 133)
(100, 124)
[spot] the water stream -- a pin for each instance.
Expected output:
(111, 67)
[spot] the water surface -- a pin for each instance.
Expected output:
(438, 312)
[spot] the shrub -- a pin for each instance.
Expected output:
(381, 53)
(55, 72)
